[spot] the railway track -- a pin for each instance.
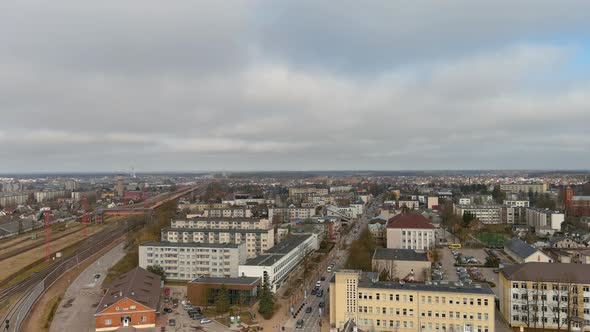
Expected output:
(25, 293)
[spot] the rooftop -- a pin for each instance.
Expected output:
(189, 244)
(399, 254)
(288, 244)
(138, 285)
(227, 281)
(265, 260)
(409, 220)
(549, 272)
(519, 247)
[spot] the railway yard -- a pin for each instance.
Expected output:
(26, 275)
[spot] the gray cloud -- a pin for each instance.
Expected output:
(292, 85)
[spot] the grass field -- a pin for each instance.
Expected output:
(491, 239)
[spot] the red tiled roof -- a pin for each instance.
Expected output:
(409, 220)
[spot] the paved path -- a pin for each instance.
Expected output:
(76, 309)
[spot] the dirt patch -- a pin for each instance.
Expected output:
(38, 318)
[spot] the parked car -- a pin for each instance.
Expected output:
(318, 283)
(167, 310)
(322, 278)
(172, 322)
(308, 310)
(314, 291)
(320, 293)
(321, 305)
(299, 324)
(205, 321)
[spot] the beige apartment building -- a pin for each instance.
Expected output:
(394, 306)
(306, 192)
(524, 187)
(546, 296)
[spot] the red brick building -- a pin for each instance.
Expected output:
(131, 300)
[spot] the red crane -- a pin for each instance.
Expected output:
(47, 232)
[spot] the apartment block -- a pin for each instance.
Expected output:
(49, 195)
(516, 203)
(291, 212)
(392, 306)
(221, 223)
(544, 221)
(227, 213)
(257, 241)
(188, 261)
(306, 192)
(524, 187)
(13, 199)
(548, 296)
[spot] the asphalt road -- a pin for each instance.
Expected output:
(311, 320)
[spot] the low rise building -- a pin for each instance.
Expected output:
(402, 264)
(409, 203)
(464, 201)
(377, 229)
(516, 203)
(203, 291)
(552, 296)
(393, 306)
(131, 300)
(523, 252)
(275, 265)
(187, 261)
(565, 242)
(431, 202)
(410, 231)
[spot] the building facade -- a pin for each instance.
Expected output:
(544, 221)
(221, 223)
(227, 213)
(393, 306)
(410, 231)
(548, 296)
(291, 212)
(275, 265)
(257, 241)
(524, 187)
(187, 261)
(402, 264)
(306, 192)
(516, 203)
(578, 206)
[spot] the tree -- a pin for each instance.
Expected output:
(266, 305)
(498, 195)
(467, 218)
(157, 269)
(222, 300)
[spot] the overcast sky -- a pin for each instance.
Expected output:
(294, 85)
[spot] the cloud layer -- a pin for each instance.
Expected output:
(293, 85)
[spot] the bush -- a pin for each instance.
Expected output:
(52, 312)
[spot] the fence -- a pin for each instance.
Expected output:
(24, 308)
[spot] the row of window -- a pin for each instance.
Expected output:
(109, 322)
(554, 320)
(424, 299)
(555, 298)
(574, 288)
(424, 326)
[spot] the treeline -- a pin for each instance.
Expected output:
(361, 252)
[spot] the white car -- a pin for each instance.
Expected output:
(205, 321)
(318, 283)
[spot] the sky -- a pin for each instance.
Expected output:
(252, 85)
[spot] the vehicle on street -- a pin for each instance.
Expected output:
(321, 305)
(455, 246)
(320, 293)
(314, 291)
(299, 324)
(323, 278)
(97, 276)
(167, 310)
(308, 310)
(318, 283)
(172, 322)
(205, 321)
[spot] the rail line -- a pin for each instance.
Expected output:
(27, 292)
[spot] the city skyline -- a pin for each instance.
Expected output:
(295, 85)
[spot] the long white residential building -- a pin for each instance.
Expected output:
(188, 261)
(516, 203)
(221, 223)
(543, 220)
(276, 264)
(291, 212)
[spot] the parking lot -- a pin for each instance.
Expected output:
(450, 271)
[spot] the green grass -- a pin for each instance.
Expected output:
(126, 264)
(492, 239)
(52, 311)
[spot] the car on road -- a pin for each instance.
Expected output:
(323, 278)
(320, 293)
(318, 283)
(172, 322)
(299, 324)
(308, 310)
(97, 276)
(205, 321)
(167, 310)
(314, 291)
(321, 305)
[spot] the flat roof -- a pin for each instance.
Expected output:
(227, 281)
(264, 260)
(451, 288)
(189, 244)
(288, 244)
(399, 254)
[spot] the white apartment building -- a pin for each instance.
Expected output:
(410, 231)
(487, 214)
(516, 203)
(49, 195)
(276, 264)
(464, 201)
(524, 187)
(291, 212)
(544, 221)
(257, 241)
(221, 223)
(187, 261)
(306, 192)
(227, 213)
(409, 203)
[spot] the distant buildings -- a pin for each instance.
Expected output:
(517, 203)
(290, 213)
(394, 306)
(306, 192)
(410, 231)
(13, 199)
(377, 229)
(227, 213)
(49, 195)
(524, 187)
(544, 221)
(552, 296)
(187, 261)
(130, 300)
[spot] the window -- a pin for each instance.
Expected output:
(132, 307)
(118, 308)
(485, 302)
(108, 322)
(515, 285)
(143, 319)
